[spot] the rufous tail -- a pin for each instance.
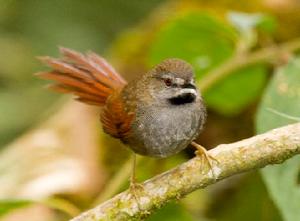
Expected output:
(88, 76)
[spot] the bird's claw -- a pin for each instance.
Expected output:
(202, 152)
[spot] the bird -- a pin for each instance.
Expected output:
(157, 115)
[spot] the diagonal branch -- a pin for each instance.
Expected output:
(256, 152)
(269, 54)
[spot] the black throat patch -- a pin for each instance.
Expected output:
(183, 99)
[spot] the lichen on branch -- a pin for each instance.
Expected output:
(259, 151)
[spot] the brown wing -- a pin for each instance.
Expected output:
(94, 81)
(90, 77)
(116, 121)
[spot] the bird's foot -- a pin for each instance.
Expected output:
(203, 153)
(135, 189)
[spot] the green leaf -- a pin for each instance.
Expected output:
(7, 206)
(206, 42)
(283, 96)
(171, 212)
(197, 38)
(247, 24)
(248, 202)
(267, 24)
(239, 89)
(250, 21)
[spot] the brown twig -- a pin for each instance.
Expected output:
(237, 61)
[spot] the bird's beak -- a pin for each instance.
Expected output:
(191, 91)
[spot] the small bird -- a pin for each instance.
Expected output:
(157, 115)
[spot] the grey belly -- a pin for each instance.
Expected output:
(161, 133)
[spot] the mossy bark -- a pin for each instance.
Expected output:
(259, 151)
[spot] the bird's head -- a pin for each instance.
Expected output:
(172, 82)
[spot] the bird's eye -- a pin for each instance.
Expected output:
(168, 81)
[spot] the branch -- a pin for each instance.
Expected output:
(238, 60)
(256, 152)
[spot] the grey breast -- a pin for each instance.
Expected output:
(164, 131)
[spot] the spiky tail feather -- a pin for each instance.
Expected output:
(90, 77)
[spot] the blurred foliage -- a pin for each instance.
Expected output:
(30, 28)
(196, 37)
(250, 201)
(205, 33)
(172, 212)
(206, 43)
(281, 102)
(7, 206)
(246, 22)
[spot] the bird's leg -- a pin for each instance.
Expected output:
(132, 176)
(202, 152)
(134, 186)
